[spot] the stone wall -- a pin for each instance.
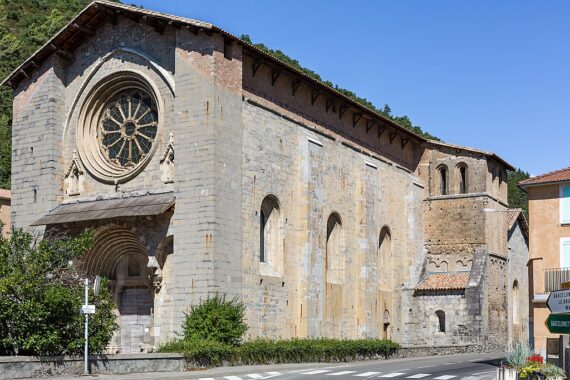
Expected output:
(20, 367)
(519, 297)
(312, 176)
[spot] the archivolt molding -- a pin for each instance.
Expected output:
(111, 243)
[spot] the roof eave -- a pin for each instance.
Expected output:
(525, 186)
(474, 150)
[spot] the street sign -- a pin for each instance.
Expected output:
(88, 309)
(558, 323)
(559, 301)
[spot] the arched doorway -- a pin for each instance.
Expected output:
(118, 255)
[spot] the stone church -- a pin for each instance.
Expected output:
(206, 165)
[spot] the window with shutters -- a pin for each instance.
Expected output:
(564, 204)
(565, 253)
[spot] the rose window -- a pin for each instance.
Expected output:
(128, 128)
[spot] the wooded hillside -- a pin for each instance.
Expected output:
(24, 27)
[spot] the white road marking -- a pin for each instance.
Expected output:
(232, 377)
(365, 374)
(444, 377)
(274, 373)
(254, 376)
(427, 366)
(302, 370)
(418, 376)
(316, 372)
(482, 373)
(340, 373)
(394, 374)
(207, 378)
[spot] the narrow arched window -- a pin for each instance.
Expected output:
(442, 180)
(334, 258)
(385, 267)
(262, 233)
(440, 320)
(269, 231)
(516, 302)
(462, 177)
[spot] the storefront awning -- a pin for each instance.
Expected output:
(144, 205)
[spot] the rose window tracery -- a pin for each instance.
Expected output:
(119, 126)
(128, 128)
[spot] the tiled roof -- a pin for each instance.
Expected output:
(444, 281)
(474, 150)
(555, 176)
(514, 215)
(146, 205)
(5, 194)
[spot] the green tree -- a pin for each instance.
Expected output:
(41, 292)
(25, 25)
(516, 197)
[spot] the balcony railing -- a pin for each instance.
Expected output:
(554, 278)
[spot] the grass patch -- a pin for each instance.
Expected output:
(208, 353)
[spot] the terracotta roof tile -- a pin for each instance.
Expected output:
(5, 194)
(444, 281)
(555, 176)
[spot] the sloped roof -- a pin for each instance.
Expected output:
(5, 194)
(145, 205)
(444, 281)
(559, 175)
(473, 150)
(514, 215)
(85, 23)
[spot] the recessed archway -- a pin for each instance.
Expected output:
(118, 255)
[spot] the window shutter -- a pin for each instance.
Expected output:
(565, 262)
(565, 209)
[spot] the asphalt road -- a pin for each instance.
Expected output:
(457, 367)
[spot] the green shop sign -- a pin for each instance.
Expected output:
(558, 323)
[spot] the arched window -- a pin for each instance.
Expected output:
(385, 268)
(269, 232)
(334, 256)
(441, 321)
(462, 177)
(516, 302)
(387, 321)
(442, 180)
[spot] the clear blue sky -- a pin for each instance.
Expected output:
(494, 75)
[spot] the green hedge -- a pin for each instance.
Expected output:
(206, 353)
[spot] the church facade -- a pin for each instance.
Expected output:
(206, 165)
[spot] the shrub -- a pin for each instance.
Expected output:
(216, 319)
(203, 353)
(264, 351)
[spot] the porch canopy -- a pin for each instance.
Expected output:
(143, 205)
